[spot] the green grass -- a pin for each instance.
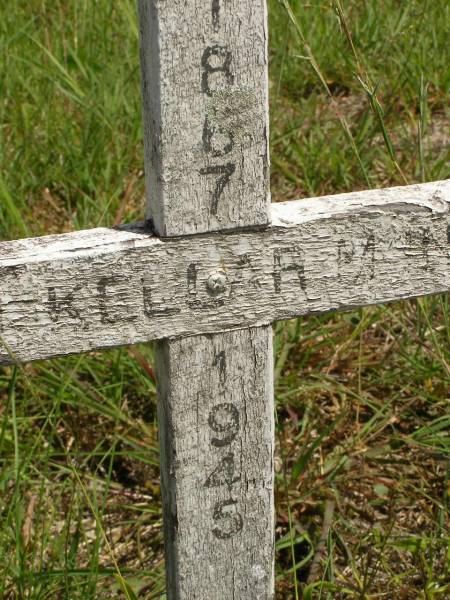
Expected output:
(359, 98)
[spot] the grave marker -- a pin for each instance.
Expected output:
(223, 268)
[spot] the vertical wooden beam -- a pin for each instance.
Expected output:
(216, 418)
(204, 65)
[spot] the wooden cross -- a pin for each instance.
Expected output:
(206, 275)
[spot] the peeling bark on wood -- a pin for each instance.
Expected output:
(94, 289)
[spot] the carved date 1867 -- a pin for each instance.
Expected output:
(217, 59)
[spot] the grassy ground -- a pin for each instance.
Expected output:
(359, 98)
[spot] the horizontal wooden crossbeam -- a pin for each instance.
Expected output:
(100, 288)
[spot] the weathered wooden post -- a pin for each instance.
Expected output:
(204, 74)
(210, 286)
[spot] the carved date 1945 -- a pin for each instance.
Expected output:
(224, 422)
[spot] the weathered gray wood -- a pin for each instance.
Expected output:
(204, 71)
(81, 291)
(204, 74)
(204, 65)
(216, 428)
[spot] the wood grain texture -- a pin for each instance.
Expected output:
(101, 288)
(216, 427)
(204, 73)
(205, 97)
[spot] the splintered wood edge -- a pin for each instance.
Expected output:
(88, 290)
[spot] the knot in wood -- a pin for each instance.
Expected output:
(217, 283)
